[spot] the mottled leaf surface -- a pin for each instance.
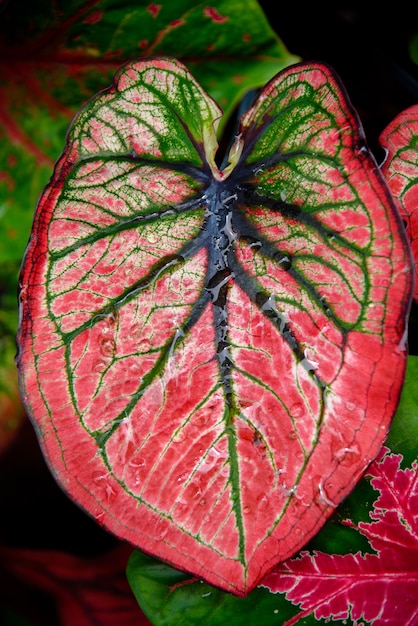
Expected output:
(380, 587)
(208, 354)
(400, 169)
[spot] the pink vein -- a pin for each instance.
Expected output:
(165, 31)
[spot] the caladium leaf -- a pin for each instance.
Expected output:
(208, 354)
(55, 56)
(400, 168)
(380, 588)
(168, 596)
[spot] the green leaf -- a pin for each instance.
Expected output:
(12, 412)
(413, 48)
(403, 434)
(169, 597)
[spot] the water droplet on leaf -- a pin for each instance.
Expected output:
(348, 456)
(296, 410)
(144, 345)
(107, 346)
(199, 419)
(263, 504)
(137, 462)
(180, 436)
(99, 365)
(252, 242)
(323, 496)
(284, 261)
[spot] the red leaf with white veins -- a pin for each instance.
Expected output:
(380, 588)
(212, 356)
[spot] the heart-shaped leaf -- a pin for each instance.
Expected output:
(212, 356)
(400, 168)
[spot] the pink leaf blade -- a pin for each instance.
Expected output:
(301, 172)
(217, 401)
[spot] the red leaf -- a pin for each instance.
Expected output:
(214, 15)
(400, 139)
(213, 356)
(380, 588)
(87, 592)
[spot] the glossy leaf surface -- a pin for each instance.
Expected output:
(209, 355)
(54, 57)
(168, 596)
(400, 169)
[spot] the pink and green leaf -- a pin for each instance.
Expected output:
(169, 596)
(400, 169)
(55, 57)
(212, 357)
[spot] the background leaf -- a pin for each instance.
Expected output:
(168, 596)
(338, 587)
(84, 592)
